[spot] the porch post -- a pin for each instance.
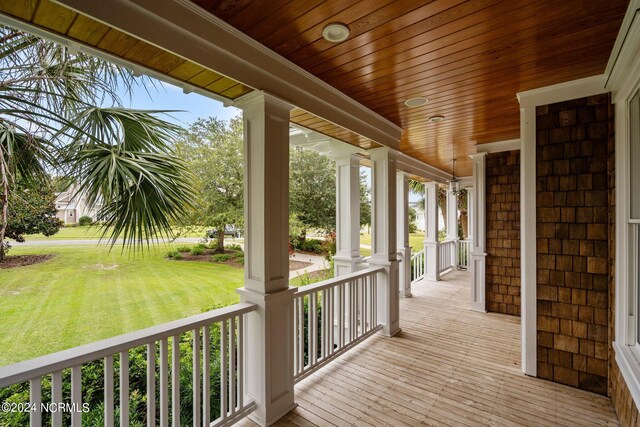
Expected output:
(347, 254)
(269, 329)
(431, 231)
(402, 209)
(383, 239)
(452, 226)
(478, 227)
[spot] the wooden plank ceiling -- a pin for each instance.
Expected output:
(469, 58)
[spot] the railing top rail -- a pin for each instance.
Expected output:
(335, 281)
(34, 368)
(417, 254)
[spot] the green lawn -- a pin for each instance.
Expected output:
(88, 233)
(86, 294)
(416, 241)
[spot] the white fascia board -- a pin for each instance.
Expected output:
(413, 166)
(185, 29)
(574, 89)
(618, 55)
(499, 146)
(137, 69)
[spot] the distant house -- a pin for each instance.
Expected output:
(71, 206)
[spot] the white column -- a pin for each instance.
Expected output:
(402, 215)
(452, 226)
(269, 330)
(478, 246)
(347, 214)
(383, 239)
(528, 240)
(470, 212)
(431, 231)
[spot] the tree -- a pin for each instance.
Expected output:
(418, 188)
(213, 150)
(312, 189)
(53, 119)
(31, 211)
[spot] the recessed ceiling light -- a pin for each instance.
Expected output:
(416, 102)
(335, 32)
(436, 119)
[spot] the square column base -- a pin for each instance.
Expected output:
(388, 296)
(344, 265)
(269, 365)
(405, 272)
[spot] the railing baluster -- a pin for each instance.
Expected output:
(164, 383)
(108, 391)
(76, 396)
(324, 327)
(124, 388)
(223, 369)
(232, 365)
(56, 398)
(35, 398)
(313, 320)
(241, 361)
(151, 384)
(175, 381)
(341, 314)
(353, 308)
(206, 376)
(196, 378)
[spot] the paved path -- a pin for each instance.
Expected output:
(318, 262)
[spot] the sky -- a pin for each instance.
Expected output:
(168, 97)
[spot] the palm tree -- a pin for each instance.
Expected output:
(418, 188)
(53, 119)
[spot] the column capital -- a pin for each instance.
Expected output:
(259, 98)
(478, 156)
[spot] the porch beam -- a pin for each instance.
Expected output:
(185, 29)
(269, 329)
(383, 239)
(431, 231)
(477, 231)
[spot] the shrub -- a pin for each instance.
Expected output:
(311, 245)
(220, 257)
(201, 246)
(239, 257)
(184, 249)
(174, 255)
(234, 248)
(85, 220)
(197, 250)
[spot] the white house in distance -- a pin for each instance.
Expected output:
(71, 206)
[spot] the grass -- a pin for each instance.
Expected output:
(94, 233)
(86, 293)
(416, 241)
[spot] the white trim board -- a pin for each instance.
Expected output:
(183, 28)
(574, 89)
(499, 146)
(413, 166)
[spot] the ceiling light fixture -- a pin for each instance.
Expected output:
(335, 32)
(436, 119)
(416, 102)
(454, 183)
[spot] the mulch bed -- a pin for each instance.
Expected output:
(206, 257)
(23, 260)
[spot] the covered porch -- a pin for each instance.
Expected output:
(448, 366)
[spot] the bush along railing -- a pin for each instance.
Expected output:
(445, 255)
(186, 372)
(464, 253)
(332, 316)
(417, 266)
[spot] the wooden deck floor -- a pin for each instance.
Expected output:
(449, 366)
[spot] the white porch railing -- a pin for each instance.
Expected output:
(464, 253)
(445, 255)
(332, 316)
(417, 266)
(217, 333)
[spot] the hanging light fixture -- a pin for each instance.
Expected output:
(454, 183)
